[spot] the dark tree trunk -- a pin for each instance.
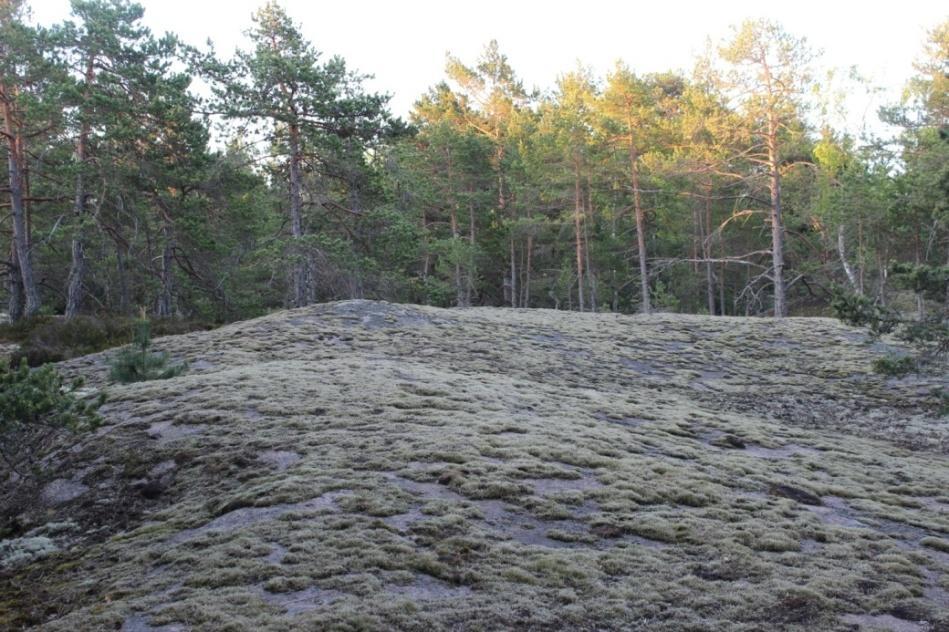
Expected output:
(299, 281)
(469, 281)
(640, 228)
(512, 282)
(122, 274)
(77, 268)
(578, 233)
(588, 221)
(526, 302)
(76, 274)
(455, 233)
(15, 306)
(707, 251)
(777, 221)
(21, 240)
(165, 307)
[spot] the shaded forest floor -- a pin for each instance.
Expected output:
(365, 465)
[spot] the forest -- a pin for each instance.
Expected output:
(146, 173)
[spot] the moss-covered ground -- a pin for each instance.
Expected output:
(362, 465)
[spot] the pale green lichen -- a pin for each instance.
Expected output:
(19, 551)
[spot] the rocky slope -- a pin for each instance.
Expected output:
(362, 465)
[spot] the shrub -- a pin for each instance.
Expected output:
(58, 339)
(19, 330)
(136, 363)
(36, 407)
(45, 339)
(174, 326)
(928, 334)
(894, 365)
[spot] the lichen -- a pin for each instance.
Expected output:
(19, 551)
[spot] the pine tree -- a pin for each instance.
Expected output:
(37, 406)
(30, 107)
(310, 110)
(106, 53)
(770, 73)
(136, 363)
(629, 115)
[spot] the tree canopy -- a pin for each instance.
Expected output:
(289, 182)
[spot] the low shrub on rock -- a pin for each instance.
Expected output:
(927, 333)
(135, 363)
(45, 339)
(36, 408)
(58, 339)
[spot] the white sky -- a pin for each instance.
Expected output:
(403, 43)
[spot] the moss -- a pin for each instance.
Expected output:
(286, 584)
(938, 544)
(537, 485)
(559, 572)
(798, 605)
(691, 499)
(653, 528)
(776, 542)
(518, 576)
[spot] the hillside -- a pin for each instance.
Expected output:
(363, 465)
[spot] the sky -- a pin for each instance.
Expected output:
(403, 43)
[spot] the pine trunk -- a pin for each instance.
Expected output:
(640, 228)
(578, 234)
(165, 307)
(513, 279)
(707, 251)
(469, 280)
(15, 305)
(502, 210)
(526, 299)
(77, 267)
(777, 221)
(21, 239)
(848, 269)
(76, 274)
(588, 220)
(455, 234)
(121, 272)
(299, 272)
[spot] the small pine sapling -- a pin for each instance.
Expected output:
(135, 363)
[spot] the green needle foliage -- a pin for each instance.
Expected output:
(286, 181)
(136, 363)
(35, 408)
(928, 334)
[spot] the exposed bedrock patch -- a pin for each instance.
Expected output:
(299, 601)
(165, 431)
(62, 491)
(279, 459)
(248, 516)
(139, 623)
(887, 622)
